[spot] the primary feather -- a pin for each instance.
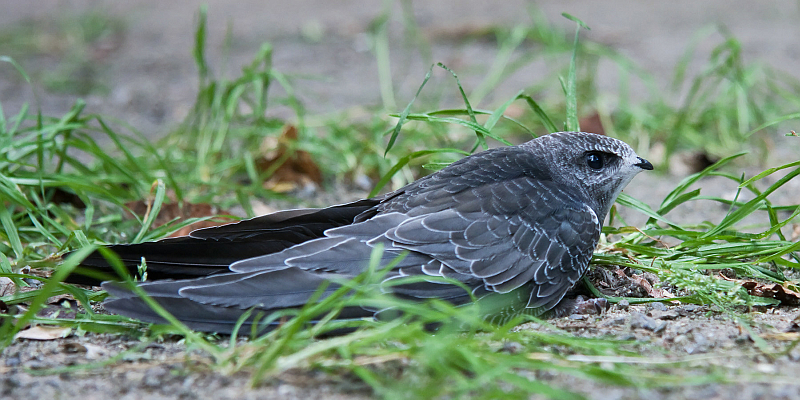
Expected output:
(520, 220)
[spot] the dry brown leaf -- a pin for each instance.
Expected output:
(290, 168)
(592, 124)
(658, 293)
(181, 210)
(641, 281)
(768, 290)
(7, 286)
(772, 291)
(58, 299)
(40, 332)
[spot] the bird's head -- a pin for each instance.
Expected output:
(597, 165)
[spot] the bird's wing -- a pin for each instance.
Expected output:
(495, 237)
(220, 308)
(505, 234)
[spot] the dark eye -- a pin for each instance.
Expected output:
(594, 160)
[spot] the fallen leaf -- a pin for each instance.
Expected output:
(644, 284)
(289, 168)
(592, 124)
(655, 292)
(173, 209)
(40, 332)
(772, 291)
(61, 298)
(7, 286)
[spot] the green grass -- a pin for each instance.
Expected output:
(211, 158)
(69, 53)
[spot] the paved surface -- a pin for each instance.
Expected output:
(150, 79)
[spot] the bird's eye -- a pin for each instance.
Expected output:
(594, 160)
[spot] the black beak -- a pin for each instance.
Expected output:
(644, 164)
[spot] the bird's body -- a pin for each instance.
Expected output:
(520, 220)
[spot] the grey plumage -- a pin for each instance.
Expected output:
(520, 220)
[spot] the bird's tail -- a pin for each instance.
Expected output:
(178, 258)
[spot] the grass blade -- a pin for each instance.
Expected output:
(570, 90)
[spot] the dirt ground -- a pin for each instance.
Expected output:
(148, 79)
(671, 333)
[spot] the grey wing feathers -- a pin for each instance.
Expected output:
(540, 234)
(216, 303)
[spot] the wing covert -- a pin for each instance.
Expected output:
(506, 234)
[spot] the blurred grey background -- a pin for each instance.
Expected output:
(136, 61)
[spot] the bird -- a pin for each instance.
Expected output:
(517, 223)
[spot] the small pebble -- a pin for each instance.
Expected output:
(13, 361)
(9, 383)
(641, 321)
(669, 315)
(614, 321)
(700, 340)
(33, 364)
(687, 309)
(766, 368)
(512, 347)
(32, 282)
(154, 377)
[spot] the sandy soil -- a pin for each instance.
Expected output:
(148, 79)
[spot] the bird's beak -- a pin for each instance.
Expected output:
(644, 164)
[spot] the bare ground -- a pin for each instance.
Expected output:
(147, 78)
(698, 335)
